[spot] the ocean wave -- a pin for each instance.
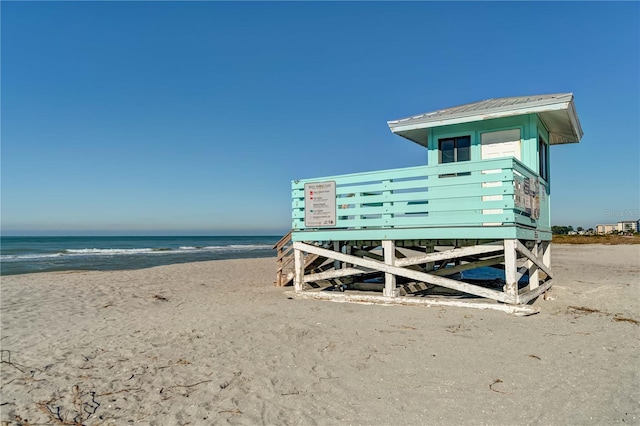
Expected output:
(239, 247)
(32, 256)
(231, 247)
(109, 251)
(134, 251)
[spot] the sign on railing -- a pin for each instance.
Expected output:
(320, 204)
(527, 195)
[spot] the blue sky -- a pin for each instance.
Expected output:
(193, 118)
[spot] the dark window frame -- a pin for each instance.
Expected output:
(466, 139)
(456, 148)
(543, 158)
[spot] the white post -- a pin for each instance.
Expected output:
(298, 269)
(534, 274)
(511, 270)
(389, 251)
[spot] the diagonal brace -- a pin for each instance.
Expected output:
(407, 273)
(532, 257)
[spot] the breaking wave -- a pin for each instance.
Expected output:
(134, 251)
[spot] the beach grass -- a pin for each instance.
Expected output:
(596, 239)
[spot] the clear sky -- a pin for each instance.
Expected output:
(193, 117)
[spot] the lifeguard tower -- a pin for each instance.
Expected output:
(414, 235)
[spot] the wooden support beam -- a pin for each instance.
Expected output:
(530, 295)
(335, 273)
(298, 268)
(449, 254)
(408, 273)
(389, 252)
(534, 273)
(511, 269)
(400, 255)
(335, 296)
(539, 263)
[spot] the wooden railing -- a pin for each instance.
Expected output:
(470, 193)
(284, 261)
(285, 265)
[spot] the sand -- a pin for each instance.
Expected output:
(216, 343)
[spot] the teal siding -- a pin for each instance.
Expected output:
(475, 129)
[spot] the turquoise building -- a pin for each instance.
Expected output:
(482, 199)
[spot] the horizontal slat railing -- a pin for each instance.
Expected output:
(461, 200)
(472, 193)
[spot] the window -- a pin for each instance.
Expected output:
(542, 158)
(453, 150)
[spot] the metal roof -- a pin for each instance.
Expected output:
(557, 112)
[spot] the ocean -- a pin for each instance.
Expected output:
(22, 255)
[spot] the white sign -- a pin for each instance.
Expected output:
(527, 195)
(319, 204)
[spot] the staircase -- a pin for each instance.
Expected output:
(284, 262)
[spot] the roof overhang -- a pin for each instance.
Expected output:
(557, 112)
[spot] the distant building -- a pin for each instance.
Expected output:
(627, 226)
(622, 226)
(606, 229)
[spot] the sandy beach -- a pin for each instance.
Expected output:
(216, 343)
